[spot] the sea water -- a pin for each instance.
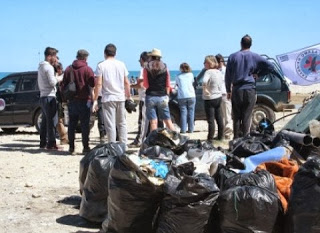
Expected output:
(135, 74)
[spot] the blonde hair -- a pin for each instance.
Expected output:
(212, 61)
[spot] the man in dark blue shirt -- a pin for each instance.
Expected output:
(242, 69)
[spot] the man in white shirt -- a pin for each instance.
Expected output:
(112, 76)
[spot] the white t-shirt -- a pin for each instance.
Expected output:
(142, 90)
(113, 72)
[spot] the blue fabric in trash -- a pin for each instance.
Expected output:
(161, 168)
(253, 161)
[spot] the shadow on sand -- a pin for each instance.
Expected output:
(75, 220)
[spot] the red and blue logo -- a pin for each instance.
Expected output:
(308, 65)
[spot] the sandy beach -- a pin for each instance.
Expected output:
(40, 188)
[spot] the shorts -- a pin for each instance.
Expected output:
(157, 107)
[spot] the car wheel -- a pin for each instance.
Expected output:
(37, 120)
(261, 111)
(9, 130)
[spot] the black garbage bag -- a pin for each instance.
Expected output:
(188, 202)
(192, 144)
(159, 153)
(166, 138)
(304, 202)
(222, 174)
(94, 201)
(249, 203)
(133, 199)
(260, 178)
(249, 145)
(102, 149)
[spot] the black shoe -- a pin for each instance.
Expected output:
(134, 145)
(71, 151)
(86, 150)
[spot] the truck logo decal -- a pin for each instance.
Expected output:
(308, 65)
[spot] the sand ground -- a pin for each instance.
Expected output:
(40, 188)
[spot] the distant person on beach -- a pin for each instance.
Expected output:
(212, 96)
(63, 134)
(112, 75)
(156, 80)
(143, 123)
(79, 107)
(47, 85)
(242, 69)
(186, 97)
(226, 106)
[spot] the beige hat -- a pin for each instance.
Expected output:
(155, 53)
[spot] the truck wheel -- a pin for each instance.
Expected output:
(261, 111)
(37, 120)
(9, 130)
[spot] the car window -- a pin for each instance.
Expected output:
(9, 85)
(264, 79)
(28, 83)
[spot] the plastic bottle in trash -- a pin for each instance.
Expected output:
(314, 127)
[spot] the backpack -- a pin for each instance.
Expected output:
(69, 91)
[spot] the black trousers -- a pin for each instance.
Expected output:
(102, 130)
(243, 101)
(213, 112)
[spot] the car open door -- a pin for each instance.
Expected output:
(8, 88)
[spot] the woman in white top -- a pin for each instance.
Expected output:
(212, 96)
(186, 97)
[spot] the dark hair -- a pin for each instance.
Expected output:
(50, 51)
(155, 58)
(185, 68)
(246, 42)
(220, 58)
(110, 50)
(144, 56)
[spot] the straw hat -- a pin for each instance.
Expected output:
(155, 53)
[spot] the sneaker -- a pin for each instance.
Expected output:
(55, 147)
(86, 150)
(134, 145)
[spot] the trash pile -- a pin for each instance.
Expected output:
(265, 182)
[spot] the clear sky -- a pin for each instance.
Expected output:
(185, 31)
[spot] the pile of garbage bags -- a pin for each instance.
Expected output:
(173, 184)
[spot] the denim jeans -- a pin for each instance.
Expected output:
(79, 110)
(187, 106)
(49, 118)
(213, 112)
(158, 104)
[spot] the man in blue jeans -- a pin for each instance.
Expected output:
(80, 106)
(242, 69)
(47, 86)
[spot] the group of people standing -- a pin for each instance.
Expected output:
(106, 91)
(228, 92)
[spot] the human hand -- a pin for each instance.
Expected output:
(95, 106)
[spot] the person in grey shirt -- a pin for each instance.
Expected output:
(212, 96)
(47, 86)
